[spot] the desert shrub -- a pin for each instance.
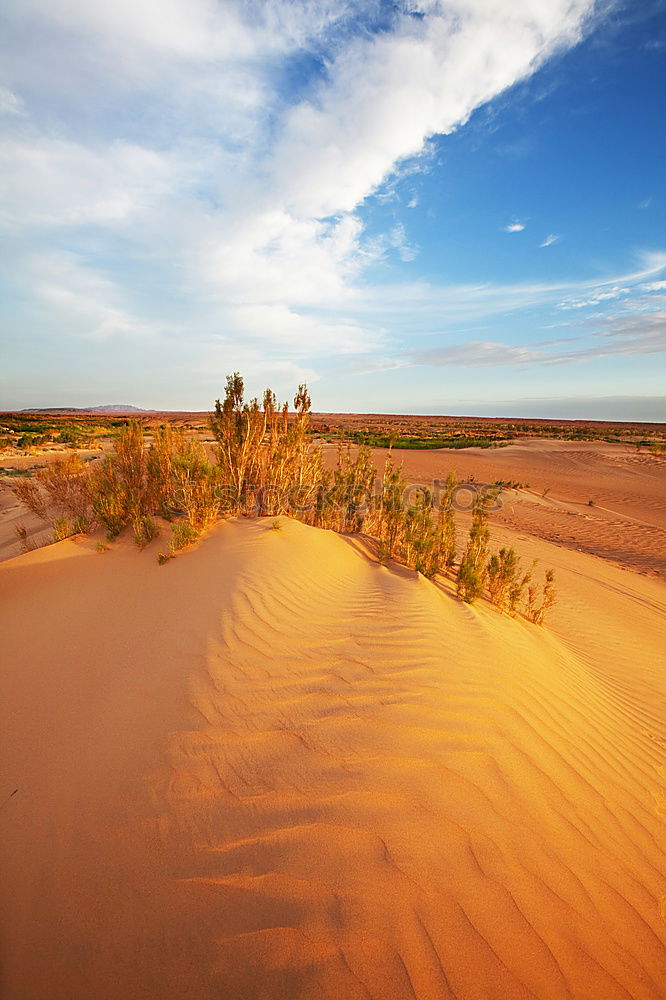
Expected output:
(472, 569)
(387, 519)
(183, 534)
(421, 543)
(118, 485)
(34, 498)
(266, 461)
(25, 541)
(505, 581)
(159, 468)
(238, 429)
(537, 604)
(447, 524)
(195, 486)
(66, 483)
(61, 529)
(58, 493)
(108, 497)
(164, 557)
(353, 482)
(144, 530)
(276, 525)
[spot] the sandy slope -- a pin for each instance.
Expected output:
(274, 769)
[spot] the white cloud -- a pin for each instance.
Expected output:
(603, 294)
(549, 240)
(55, 182)
(514, 227)
(164, 133)
(385, 94)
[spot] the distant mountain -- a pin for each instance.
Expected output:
(108, 408)
(118, 408)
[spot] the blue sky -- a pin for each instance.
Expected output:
(419, 207)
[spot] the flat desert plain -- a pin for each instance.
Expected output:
(274, 769)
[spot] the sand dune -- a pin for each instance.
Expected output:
(275, 769)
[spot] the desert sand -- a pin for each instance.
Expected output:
(276, 770)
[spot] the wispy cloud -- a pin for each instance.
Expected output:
(475, 353)
(549, 240)
(10, 103)
(514, 227)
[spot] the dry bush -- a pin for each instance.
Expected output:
(420, 548)
(34, 498)
(239, 430)
(386, 521)
(352, 491)
(472, 569)
(167, 442)
(505, 582)
(108, 497)
(446, 524)
(195, 486)
(183, 535)
(118, 485)
(266, 462)
(59, 492)
(538, 604)
(65, 481)
(61, 529)
(144, 530)
(26, 543)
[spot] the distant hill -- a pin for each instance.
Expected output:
(109, 408)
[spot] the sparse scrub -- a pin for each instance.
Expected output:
(34, 498)
(195, 483)
(25, 541)
(61, 529)
(539, 603)
(447, 524)
(267, 461)
(144, 530)
(353, 481)
(183, 535)
(472, 569)
(387, 520)
(421, 544)
(58, 493)
(504, 580)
